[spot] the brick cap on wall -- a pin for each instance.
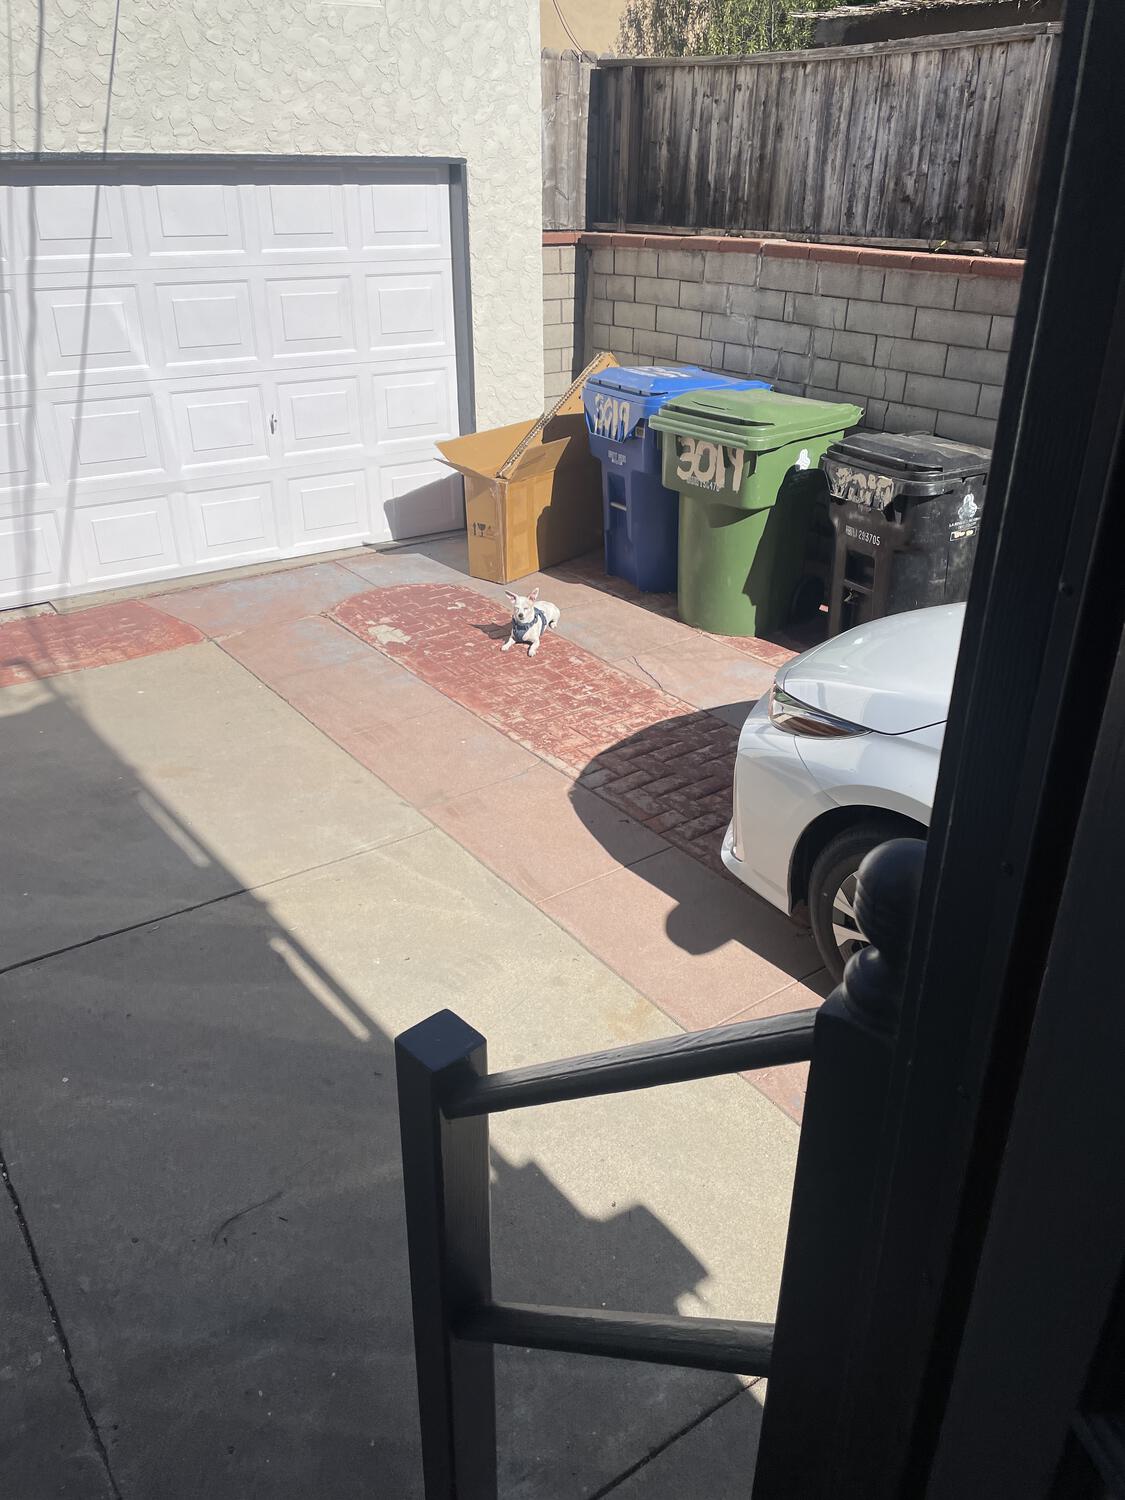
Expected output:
(855, 255)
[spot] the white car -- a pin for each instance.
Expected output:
(840, 754)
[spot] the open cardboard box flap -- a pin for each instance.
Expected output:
(484, 454)
(533, 490)
(526, 448)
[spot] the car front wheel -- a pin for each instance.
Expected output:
(832, 888)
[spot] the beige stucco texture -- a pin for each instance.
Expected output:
(369, 78)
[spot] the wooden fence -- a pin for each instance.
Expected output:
(565, 131)
(930, 141)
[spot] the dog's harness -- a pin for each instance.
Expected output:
(520, 631)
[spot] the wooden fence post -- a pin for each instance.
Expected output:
(627, 99)
(822, 1283)
(446, 1186)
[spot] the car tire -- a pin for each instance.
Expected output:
(832, 889)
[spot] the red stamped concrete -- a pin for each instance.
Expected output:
(641, 749)
(50, 644)
(564, 704)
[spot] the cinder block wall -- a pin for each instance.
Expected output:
(919, 341)
(564, 292)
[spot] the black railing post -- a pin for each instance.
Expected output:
(822, 1294)
(445, 1182)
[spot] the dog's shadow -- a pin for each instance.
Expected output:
(494, 630)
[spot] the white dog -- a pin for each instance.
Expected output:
(529, 620)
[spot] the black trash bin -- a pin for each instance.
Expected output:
(905, 509)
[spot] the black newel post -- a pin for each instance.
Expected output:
(445, 1182)
(822, 1292)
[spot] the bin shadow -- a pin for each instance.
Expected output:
(794, 538)
(214, 1109)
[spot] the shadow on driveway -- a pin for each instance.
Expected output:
(200, 1129)
(677, 777)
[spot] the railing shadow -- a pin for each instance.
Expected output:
(199, 1119)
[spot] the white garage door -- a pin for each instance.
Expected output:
(206, 368)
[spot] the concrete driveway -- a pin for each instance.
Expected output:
(216, 915)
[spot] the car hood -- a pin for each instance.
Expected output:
(891, 675)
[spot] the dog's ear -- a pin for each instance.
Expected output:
(533, 595)
(513, 597)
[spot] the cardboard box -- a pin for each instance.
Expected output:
(533, 491)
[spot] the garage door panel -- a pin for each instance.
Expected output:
(30, 554)
(12, 362)
(311, 317)
(71, 220)
(303, 215)
(419, 497)
(320, 416)
(108, 437)
(415, 407)
(219, 425)
(193, 220)
(125, 540)
(404, 217)
(23, 466)
(410, 313)
(80, 329)
(329, 510)
(206, 323)
(233, 521)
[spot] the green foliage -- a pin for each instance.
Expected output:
(715, 28)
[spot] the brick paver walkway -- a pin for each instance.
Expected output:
(664, 763)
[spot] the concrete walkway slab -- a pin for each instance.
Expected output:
(221, 609)
(205, 1138)
(287, 648)
(348, 691)
(687, 938)
(705, 673)
(542, 834)
(441, 753)
(139, 789)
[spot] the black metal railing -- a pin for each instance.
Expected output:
(445, 1097)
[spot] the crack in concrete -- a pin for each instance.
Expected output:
(242, 890)
(643, 1463)
(56, 1324)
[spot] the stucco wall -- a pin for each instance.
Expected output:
(447, 78)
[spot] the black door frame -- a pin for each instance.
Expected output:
(1042, 630)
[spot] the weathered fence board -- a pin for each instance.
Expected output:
(928, 141)
(565, 136)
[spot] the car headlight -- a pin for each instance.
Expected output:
(795, 717)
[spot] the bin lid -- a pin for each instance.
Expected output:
(757, 421)
(911, 455)
(618, 398)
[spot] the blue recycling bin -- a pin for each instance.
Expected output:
(641, 518)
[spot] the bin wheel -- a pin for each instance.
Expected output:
(832, 887)
(807, 598)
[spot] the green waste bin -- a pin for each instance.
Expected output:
(745, 465)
